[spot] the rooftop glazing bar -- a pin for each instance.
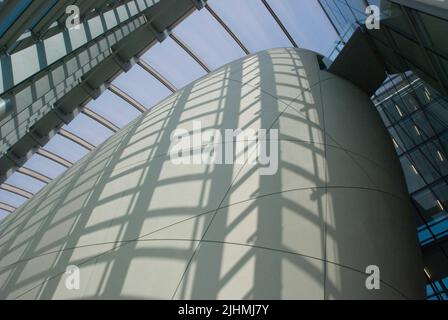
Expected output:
(407, 39)
(49, 82)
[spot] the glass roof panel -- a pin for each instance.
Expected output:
(298, 16)
(252, 23)
(25, 182)
(66, 148)
(174, 63)
(3, 214)
(142, 86)
(11, 199)
(114, 109)
(209, 39)
(44, 166)
(88, 129)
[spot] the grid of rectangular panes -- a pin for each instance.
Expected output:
(418, 39)
(417, 119)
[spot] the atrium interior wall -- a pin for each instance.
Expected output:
(139, 226)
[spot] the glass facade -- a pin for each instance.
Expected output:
(407, 40)
(415, 114)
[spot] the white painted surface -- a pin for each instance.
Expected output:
(139, 226)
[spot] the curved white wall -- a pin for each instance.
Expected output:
(139, 226)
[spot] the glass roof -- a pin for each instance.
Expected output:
(88, 129)
(66, 148)
(44, 166)
(11, 199)
(287, 12)
(169, 59)
(13, 15)
(256, 28)
(250, 21)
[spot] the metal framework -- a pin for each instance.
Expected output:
(53, 22)
(90, 85)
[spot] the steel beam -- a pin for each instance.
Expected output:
(100, 119)
(280, 23)
(157, 75)
(7, 207)
(190, 52)
(137, 105)
(34, 174)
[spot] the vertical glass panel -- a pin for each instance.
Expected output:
(413, 180)
(436, 30)
(392, 110)
(437, 113)
(398, 141)
(404, 137)
(411, 132)
(423, 125)
(208, 39)
(440, 228)
(411, 50)
(444, 143)
(423, 166)
(383, 116)
(410, 102)
(88, 129)
(398, 20)
(424, 235)
(435, 154)
(441, 191)
(427, 204)
(422, 93)
(402, 109)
